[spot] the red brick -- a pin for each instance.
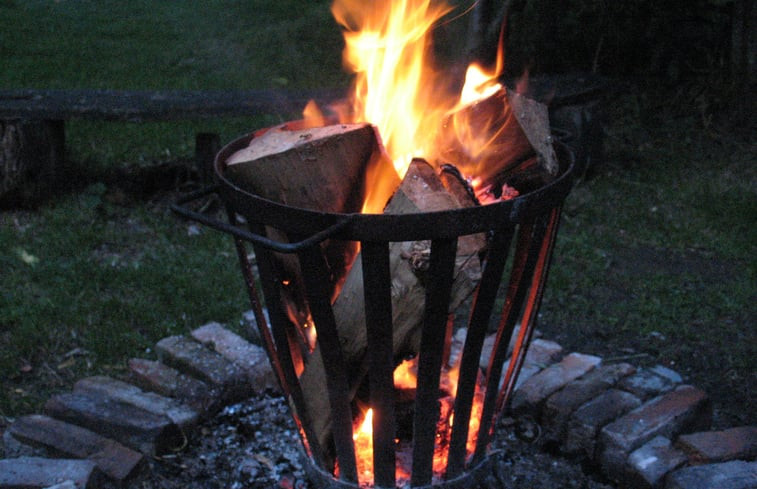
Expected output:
(648, 464)
(251, 358)
(720, 446)
(536, 389)
(136, 428)
(540, 352)
(736, 474)
(585, 423)
(563, 403)
(37, 472)
(680, 410)
(158, 377)
(182, 415)
(194, 359)
(667, 373)
(646, 384)
(60, 439)
(13, 448)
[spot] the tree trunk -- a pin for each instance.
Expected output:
(31, 154)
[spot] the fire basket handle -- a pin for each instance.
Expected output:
(237, 232)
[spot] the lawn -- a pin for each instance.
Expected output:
(654, 263)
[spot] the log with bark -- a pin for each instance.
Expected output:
(421, 190)
(325, 169)
(503, 139)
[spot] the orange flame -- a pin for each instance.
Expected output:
(405, 375)
(397, 89)
(387, 47)
(363, 438)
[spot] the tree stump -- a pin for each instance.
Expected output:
(31, 155)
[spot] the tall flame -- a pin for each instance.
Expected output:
(396, 88)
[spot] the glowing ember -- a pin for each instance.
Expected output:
(405, 375)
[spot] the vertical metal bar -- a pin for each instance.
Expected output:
(378, 317)
(442, 264)
(523, 264)
(257, 308)
(315, 275)
(270, 285)
(548, 235)
(483, 304)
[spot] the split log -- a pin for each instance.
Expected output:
(321, 168)
(326, 169)
(421, 191)
(503, 139)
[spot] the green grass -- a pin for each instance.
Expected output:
(83, 275)
(144, 45)
(660, 240)
(140, 44)
(660, 243)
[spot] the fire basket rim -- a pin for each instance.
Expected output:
(392, 227)
(522, 233)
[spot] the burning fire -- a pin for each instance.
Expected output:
(363, 438)
(397, 89)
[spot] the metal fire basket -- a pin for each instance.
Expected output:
(521, 234)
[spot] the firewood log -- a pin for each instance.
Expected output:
(325, 169)
(421, 191)
(502, 139)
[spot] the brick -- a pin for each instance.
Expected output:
(648, 464)
(667, 373)
(563, 403)
(585, 423)
(536, 389)
(134, 427)
(194, 359)
(15, 448)
(736, 474)
(60, 439)
(250, 325)
(182, 415)
(646, 384)
(540, 352)
(527, 371)
(69, 484)
(158, 377)
(38, 472)
(720, 446)
(682, 409)
(251, 358)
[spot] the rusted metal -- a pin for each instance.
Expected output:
(530, 221)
